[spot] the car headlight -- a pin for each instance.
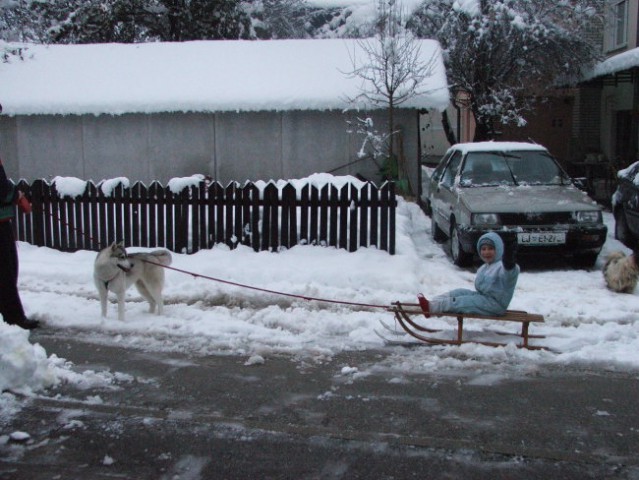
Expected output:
(590, 216)
(485, 219)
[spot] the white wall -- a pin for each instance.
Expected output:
(226, 146)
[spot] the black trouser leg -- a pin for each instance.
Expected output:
(10, 304)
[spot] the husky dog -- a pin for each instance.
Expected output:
(115, 271)
(621, 272)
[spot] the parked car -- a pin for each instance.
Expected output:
(625, 206)
(516, 189)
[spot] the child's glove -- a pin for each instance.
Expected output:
(510, 249)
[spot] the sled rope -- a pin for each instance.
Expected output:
(266, 290)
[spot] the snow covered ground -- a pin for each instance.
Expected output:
(585, 323)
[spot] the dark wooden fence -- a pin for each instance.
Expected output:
(201, 216)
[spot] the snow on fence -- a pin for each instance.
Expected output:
(268, 217)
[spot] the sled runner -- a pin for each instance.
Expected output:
(404, 311)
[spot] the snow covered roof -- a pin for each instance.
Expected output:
(617, 63)
(198, 76)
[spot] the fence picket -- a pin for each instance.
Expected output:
(304, 206)
(333, 216)
(201, 218)
(343, 216)
(237, 220)
(289, 216)
(353, 219)
(391, 218)
(324, 204)
(314, 232)
(255, 217)
(58, 218)
(271, 217)
(228, 214)
(169, 218)
(363, 212)
(218, 200)
(384, 203)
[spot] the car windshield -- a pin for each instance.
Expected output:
(510, 168)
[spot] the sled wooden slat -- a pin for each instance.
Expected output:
(403, 312)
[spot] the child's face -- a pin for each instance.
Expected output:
(487, 253)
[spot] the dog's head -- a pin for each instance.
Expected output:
(118, 252)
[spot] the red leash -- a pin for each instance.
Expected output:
(274, 292)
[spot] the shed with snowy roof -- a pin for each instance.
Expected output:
(234, 110)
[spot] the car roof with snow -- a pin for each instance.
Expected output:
(497, 147)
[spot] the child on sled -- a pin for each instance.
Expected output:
(494, 284)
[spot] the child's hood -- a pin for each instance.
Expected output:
(496, 240)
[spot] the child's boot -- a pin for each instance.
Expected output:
(424, 304)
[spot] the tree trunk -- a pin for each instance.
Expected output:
(448, 131)
(483, 126)
(391, 127)
(483, 131)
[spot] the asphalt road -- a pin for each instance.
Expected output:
(177, 417)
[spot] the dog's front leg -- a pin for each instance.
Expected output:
(103, 293)
(121, 296)
(103, 305)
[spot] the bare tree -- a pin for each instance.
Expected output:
(393, 70)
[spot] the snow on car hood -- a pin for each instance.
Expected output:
(526, 198)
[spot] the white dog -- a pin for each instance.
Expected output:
(115, 271)
(621, 272)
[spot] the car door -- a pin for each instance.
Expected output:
(631, 206)
(431, 183)
(443, 195)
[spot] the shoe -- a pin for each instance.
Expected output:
(26, 323)
(424, 304)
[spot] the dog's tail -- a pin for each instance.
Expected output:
(162, 257)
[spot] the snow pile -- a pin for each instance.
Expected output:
(25, 370)
(24, 367)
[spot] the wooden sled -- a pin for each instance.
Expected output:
(404, 311)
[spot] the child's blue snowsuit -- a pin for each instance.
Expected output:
(494, 284)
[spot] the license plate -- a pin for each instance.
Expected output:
(541, 238)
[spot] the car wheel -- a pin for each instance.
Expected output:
(460, 257)
(622, 231)
(436, 232)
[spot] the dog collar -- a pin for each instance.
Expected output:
(126, 270)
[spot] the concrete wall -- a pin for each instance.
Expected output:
(226, 146)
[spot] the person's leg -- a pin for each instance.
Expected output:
(441, 303)
(10, 303)
(465, 301)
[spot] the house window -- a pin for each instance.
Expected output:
(617, 24)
